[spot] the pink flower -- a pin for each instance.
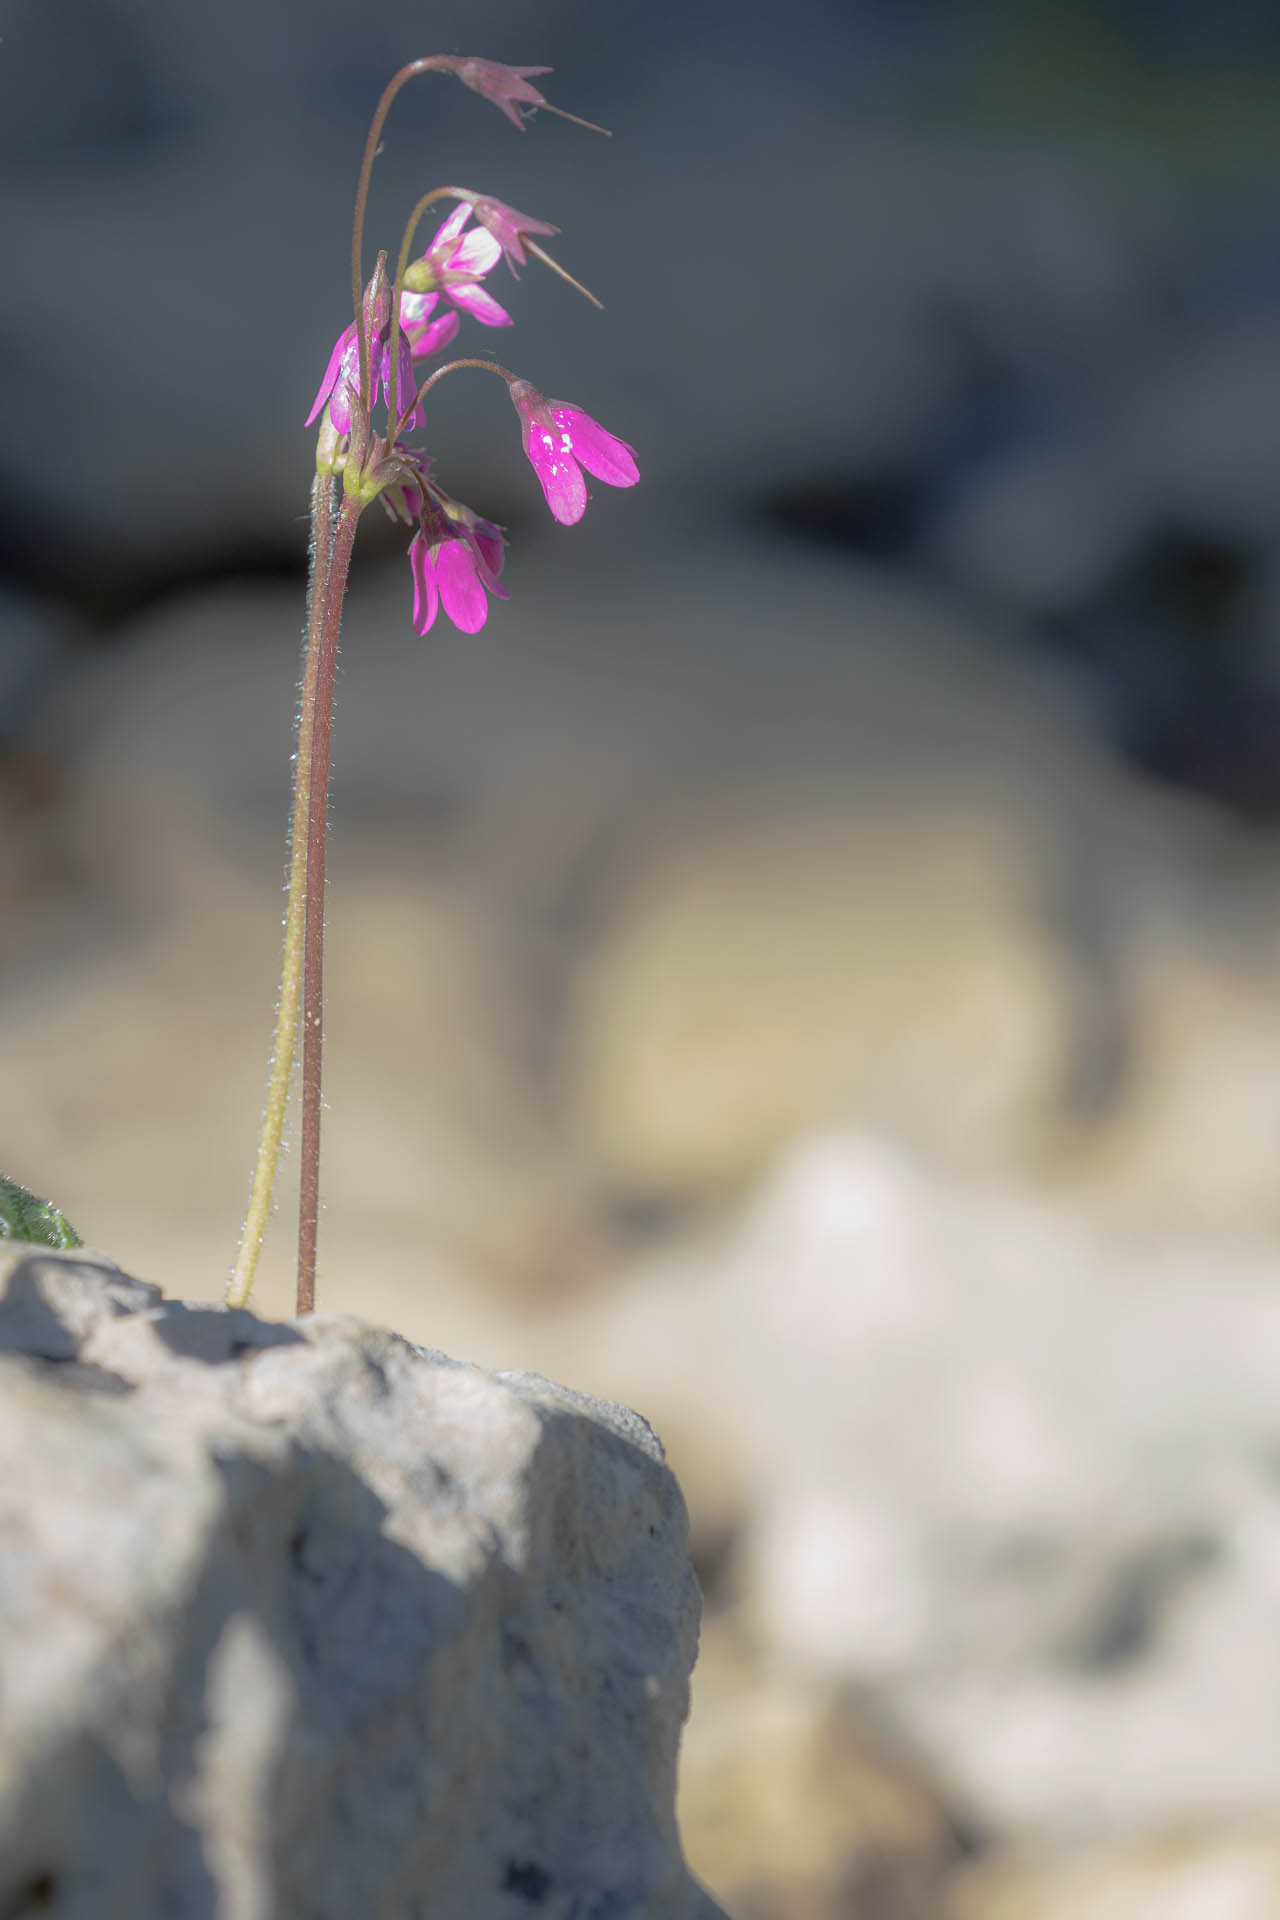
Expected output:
(559, 442)
(435, 334)
(456, 558)
(503, 85)
(342, 375)
(453, 265)
(508, 227)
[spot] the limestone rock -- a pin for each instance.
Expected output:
(302, 1620)
(782, 969)
(1014, 1476)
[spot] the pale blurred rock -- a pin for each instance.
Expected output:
(557, 851)
(1193, 1137)
(788, 967)
(793, 1808)
(303, 1620)
(1213, 1875)
(1015, 1473)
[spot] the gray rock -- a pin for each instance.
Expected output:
(302, 1620)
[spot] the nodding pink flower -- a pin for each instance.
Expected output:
(456, 558)
(559, 442)
(507, 227)
(503, 85)
(342, 375)
(342, 379)
(452, 266)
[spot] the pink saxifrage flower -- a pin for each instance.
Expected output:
(342, 375)
(456, 557)
(508, 227)
(452, 267)
(507, 87)
(560, 441)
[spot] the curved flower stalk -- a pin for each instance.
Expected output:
(366, 403)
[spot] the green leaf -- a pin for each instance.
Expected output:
(24, 1216)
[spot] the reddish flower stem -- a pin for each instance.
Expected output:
(301, 983)
(317, 726)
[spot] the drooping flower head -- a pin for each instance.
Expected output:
(453, 267)
(507, 87)
(508, 227)
(456, 557)
(560, 441)
(341, 381)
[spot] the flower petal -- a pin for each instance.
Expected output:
(558, 472)
(480, 305)
(601, 452)
(331, 373)
(426, 594)
(417, 308)
(478, 252)
(406, 386)
(436, 335)
(450, 227)
(340, 403)
(493, 551)
(460, 588)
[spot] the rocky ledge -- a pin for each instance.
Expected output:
(301, 1620)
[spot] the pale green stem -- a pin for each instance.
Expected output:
(281, 1072)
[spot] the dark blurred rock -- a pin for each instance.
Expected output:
(785, 296)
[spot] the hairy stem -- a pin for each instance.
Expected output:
(326, 629)
(281, 1070)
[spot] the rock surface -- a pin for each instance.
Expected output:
(304, 1620)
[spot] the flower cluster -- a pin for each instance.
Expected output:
(455, 555)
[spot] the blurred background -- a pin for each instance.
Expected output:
(810, 968)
